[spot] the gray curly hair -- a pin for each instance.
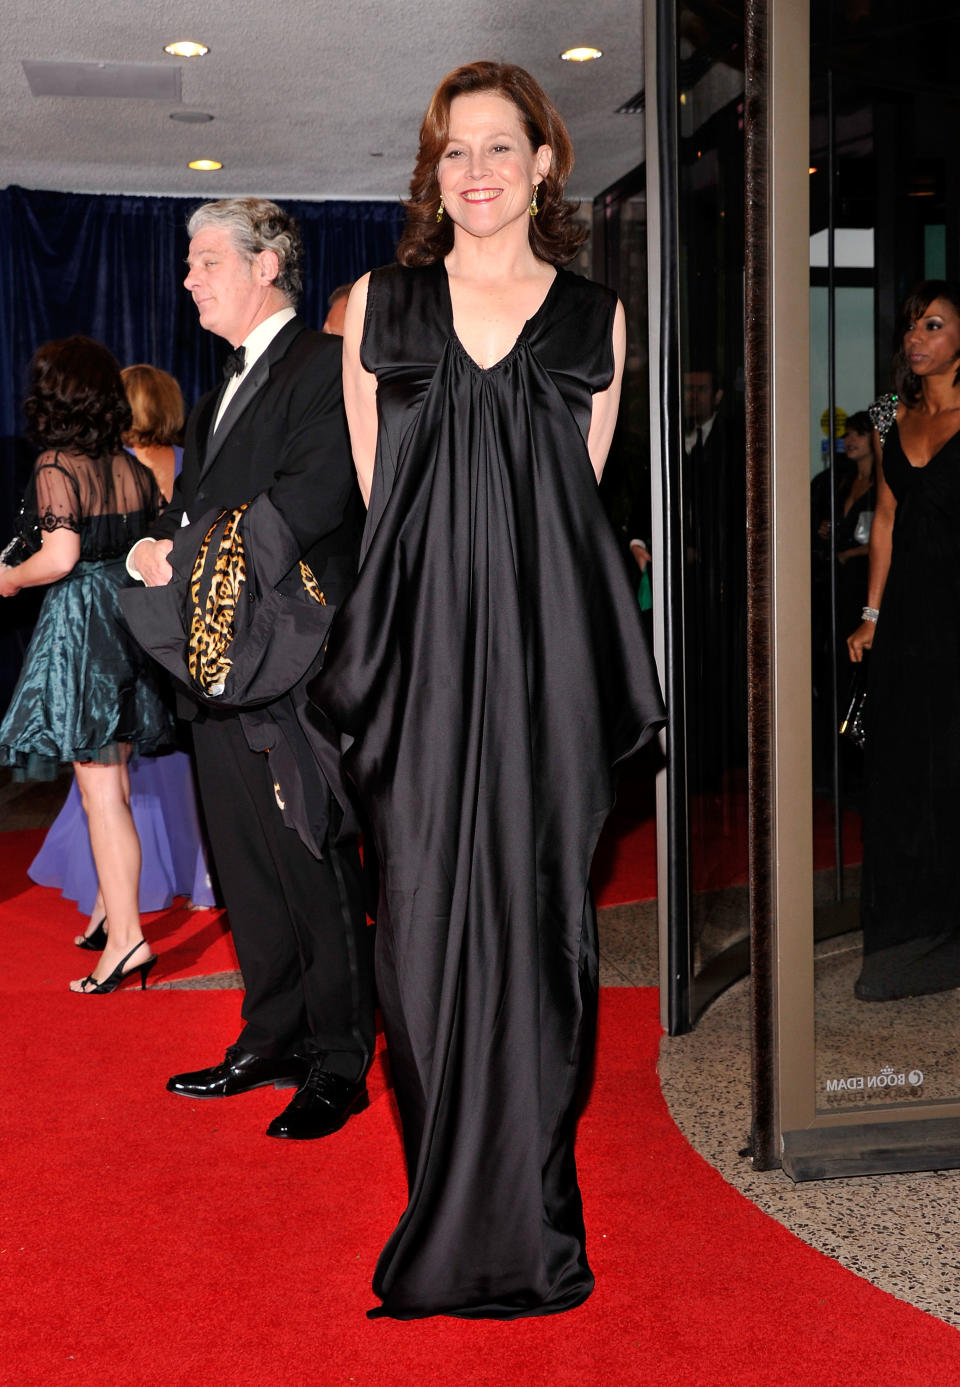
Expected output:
(255, 224)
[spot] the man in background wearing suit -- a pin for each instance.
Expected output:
(715, 581)
(275, 425)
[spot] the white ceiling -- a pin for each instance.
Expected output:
(304, 93)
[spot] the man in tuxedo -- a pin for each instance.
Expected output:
(275, 425)
(714, 482)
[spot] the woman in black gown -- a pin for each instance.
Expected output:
(910, 895)
(87, 694)
(487, 673)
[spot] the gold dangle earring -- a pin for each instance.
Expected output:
(534, 209)
(440, 209)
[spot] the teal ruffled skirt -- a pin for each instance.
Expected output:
(87, 691)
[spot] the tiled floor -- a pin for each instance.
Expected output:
(915, 1035)
(901, 1232)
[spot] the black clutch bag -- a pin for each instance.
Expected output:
(15, 551)
(24, 544)
(852, 727)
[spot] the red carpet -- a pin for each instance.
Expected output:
(189, 943)
(625, 865)
(148, 1241)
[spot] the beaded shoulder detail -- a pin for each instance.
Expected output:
(883, 413)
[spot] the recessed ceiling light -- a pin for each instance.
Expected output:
(186, 48)
(205, 165)
(581, 55)
(191, 117)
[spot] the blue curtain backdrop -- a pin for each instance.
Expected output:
(112, 268)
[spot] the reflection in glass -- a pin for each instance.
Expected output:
(884, 181)
(620, 256)
(712, 480)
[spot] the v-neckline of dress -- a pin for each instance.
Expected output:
(922, 466)
(521, 336)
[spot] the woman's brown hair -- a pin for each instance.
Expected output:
(554, 236)
(157, 407)
(76, 399)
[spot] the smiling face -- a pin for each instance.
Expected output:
(931, 343)
(488, 169)
(232, 293)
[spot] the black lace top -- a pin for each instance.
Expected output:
(109, 502)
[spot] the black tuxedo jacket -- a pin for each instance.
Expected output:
(283, 433)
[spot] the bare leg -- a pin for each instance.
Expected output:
(97, 917)
(105, 792)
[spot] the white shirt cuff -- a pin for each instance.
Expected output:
(129, 565)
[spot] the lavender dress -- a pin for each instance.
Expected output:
(164, 808)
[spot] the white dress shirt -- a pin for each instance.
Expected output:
(254, 344)
(690, 439)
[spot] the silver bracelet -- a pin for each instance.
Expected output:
(869, 614)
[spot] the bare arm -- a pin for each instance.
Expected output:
(359, 390)
(58, 553)
(603, 421)
(881, 550)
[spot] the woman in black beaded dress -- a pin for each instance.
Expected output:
(910, 895)
(87, 694)
(488, 671)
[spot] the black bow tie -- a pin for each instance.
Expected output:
(233, 366)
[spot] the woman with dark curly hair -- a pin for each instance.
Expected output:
(86, 693)
(162, 795)
(910, 893)
(488, 671)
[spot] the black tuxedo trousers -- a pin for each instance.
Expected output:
(298, 923)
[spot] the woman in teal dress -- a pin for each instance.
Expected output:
(162, 796)
(87, 694)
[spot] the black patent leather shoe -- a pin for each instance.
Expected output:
(321, 1105)
(239, 1073)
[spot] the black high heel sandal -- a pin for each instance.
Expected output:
(118, 975)
(96, 940)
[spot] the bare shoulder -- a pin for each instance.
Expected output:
(356, 308)
(358, 294)
(355, 318)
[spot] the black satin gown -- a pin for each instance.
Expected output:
(488, 670)
(910, 894)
